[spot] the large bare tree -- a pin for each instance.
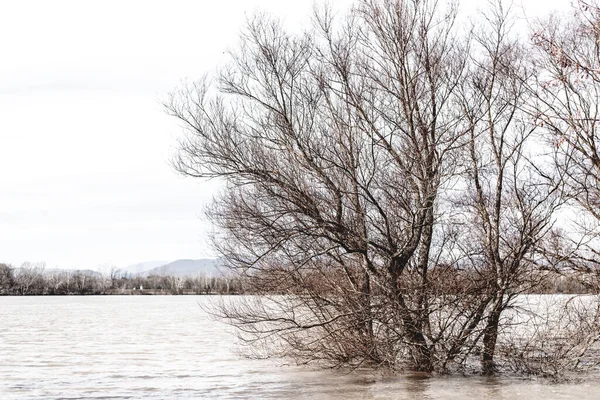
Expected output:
(333, 146)
(340, 151)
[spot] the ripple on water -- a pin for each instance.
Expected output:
(146, 347)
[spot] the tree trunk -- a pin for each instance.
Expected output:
(490, 337)
(420, 353)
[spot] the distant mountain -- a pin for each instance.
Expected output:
(143, 267)
(205, 266)
(86, 272)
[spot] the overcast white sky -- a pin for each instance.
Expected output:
(84, 143)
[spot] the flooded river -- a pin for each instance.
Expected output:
(166, 347)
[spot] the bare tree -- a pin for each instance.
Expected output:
(7, 279)
(567, 107)
(29, 278)
(510, 198)
(333, 146)
(115, 274)
(173, 283)
(341, 151)
(54, 282)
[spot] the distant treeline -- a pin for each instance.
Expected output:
(34, 279)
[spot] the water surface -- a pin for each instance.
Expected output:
(167, 347)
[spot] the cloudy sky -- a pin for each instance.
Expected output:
(84, 143)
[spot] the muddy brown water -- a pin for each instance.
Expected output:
(166, 347)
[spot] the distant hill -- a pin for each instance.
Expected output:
(205, 266)
(143, 267)
(54, 271)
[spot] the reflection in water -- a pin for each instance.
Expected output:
(493, 387)
(418, 385)
(157, 347)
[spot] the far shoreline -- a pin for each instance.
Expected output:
(127, 292)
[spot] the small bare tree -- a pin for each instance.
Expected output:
(29, 278)
(509, 199)
(7, 279)
(567, 107)
(115, 274)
